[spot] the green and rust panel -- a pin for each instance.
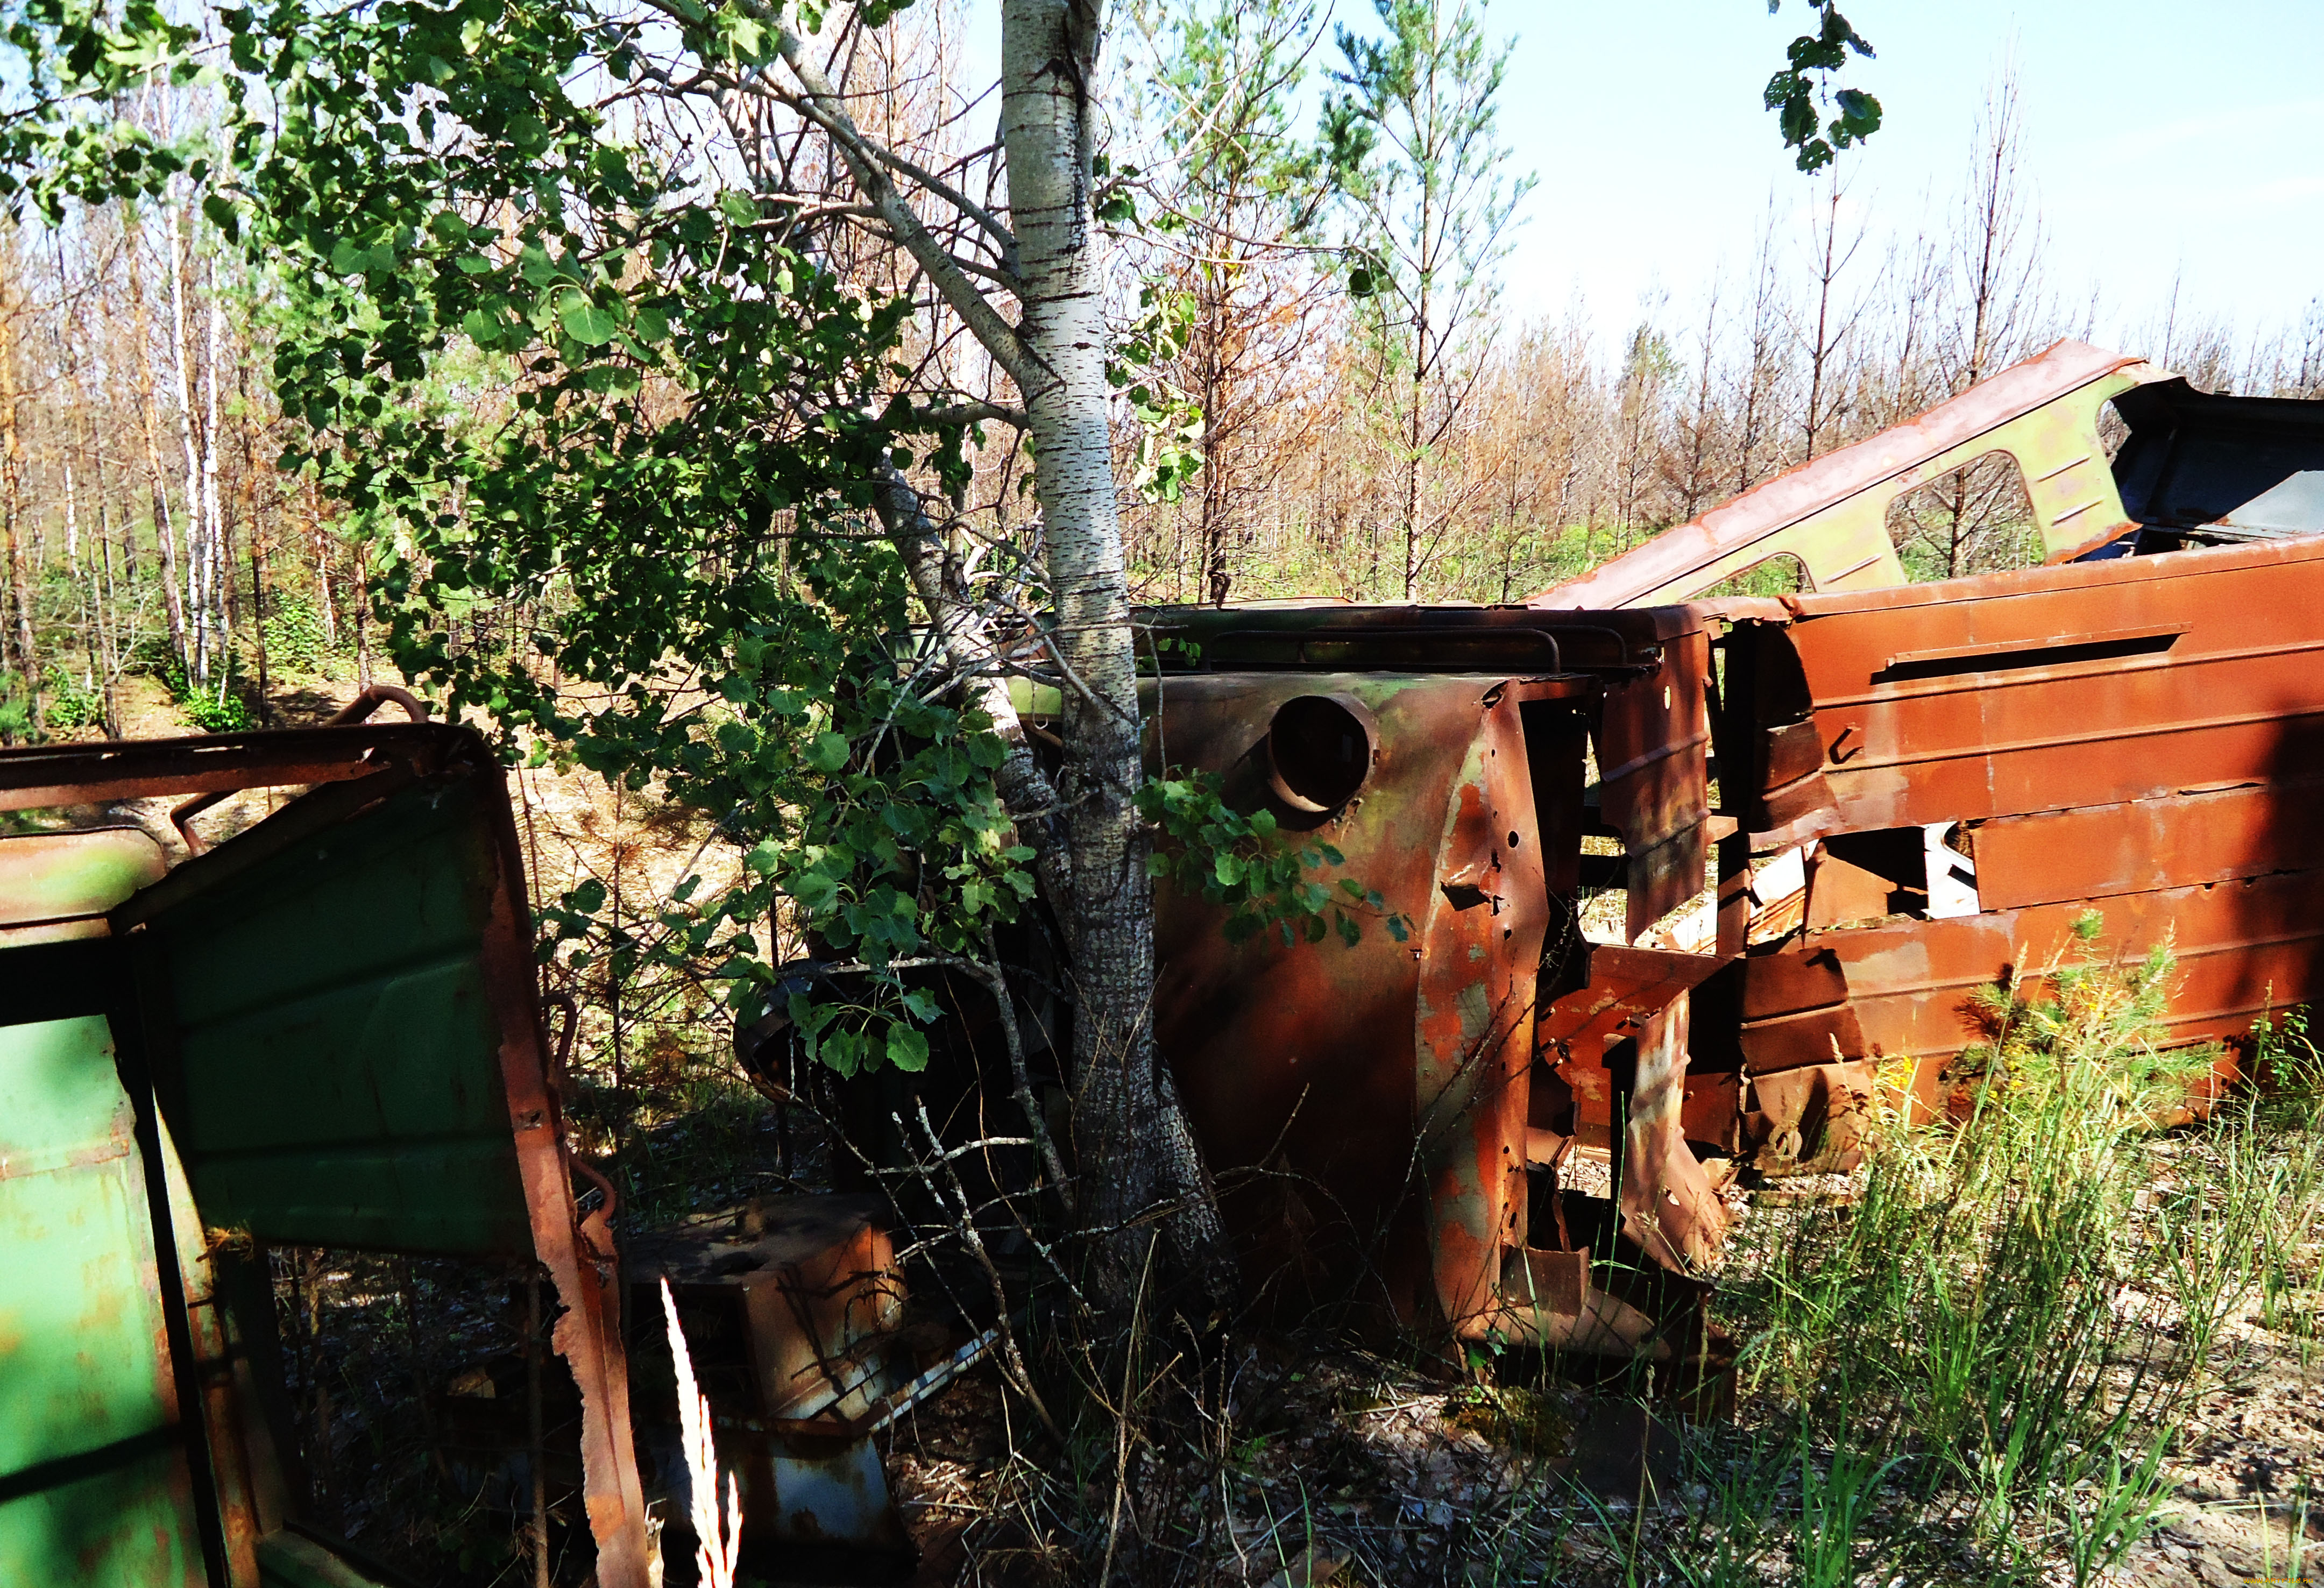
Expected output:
(93, 1481)
(334, 1078)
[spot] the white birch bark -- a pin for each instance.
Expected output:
(213, 515)
(180, 356)
(1137, 1155)
(1135, 1151)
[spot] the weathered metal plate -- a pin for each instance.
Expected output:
(2099, 851)
(94, 1479)
(2083, 684)
(1305, 1061)
(341, 977)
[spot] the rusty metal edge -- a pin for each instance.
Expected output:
(1767, 509)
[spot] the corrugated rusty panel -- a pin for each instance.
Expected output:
(1832, 513)
(2097, 851)
(1654, 754)
(2083, 684)
(1906, 988)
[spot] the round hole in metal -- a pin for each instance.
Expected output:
(1319, 750)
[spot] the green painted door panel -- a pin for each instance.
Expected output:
(336, 1061)
(94, 1487)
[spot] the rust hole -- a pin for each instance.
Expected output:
(1319, 750)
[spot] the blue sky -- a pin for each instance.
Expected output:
(2164, 140)
(2161, 139)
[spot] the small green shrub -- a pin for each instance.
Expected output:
(294, 634)
(15, 709)
(72, 704)
(215, 708)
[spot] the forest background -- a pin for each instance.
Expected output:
(1319, 389)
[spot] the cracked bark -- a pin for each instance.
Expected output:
(1139, 1158)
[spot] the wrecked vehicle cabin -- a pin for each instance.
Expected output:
(1694, 881)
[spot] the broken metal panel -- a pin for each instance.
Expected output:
(2008, 694)
(1653, 778)
(1832, 513)
(1482, 927)
(396, 1011)
(2199, 467)
(1628, 988)
(1668, 1206)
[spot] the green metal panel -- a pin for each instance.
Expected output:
(93, 1481)
(336, 1069)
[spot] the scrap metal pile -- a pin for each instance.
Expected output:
(1823, 823)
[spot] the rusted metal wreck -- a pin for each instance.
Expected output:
(1824, 821)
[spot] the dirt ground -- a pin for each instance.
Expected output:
(1354, 1470)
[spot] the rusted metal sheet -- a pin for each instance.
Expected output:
(1381, 1108)
(1322, 1065)
(2049, 688)
(2095, 852)
(1832, 513)
(1626, 989)
(1653, 761)
(793, 1309)
(1906, 989)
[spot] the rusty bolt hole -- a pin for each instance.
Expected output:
(1319, 750)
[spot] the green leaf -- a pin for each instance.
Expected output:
(738, 208)
(907, 1049)
(586, 322)
(828, 752)
(813, 890)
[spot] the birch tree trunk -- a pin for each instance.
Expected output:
(19, 577)
(1137, 1159)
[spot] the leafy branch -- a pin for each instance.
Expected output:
(1208, 848)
